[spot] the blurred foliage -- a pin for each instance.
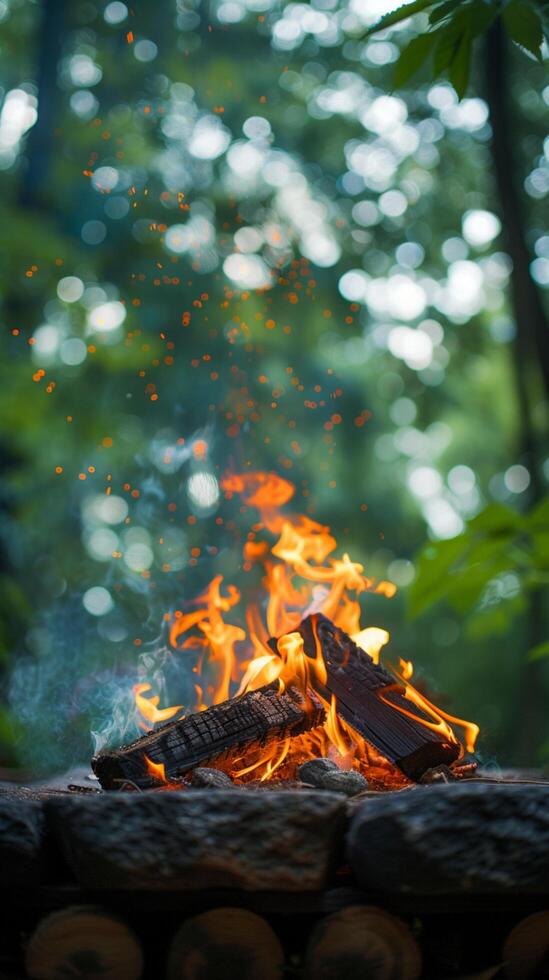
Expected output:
(220, 227)
(454, 26)
(486, 573)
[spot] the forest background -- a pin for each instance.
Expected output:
(252, 235)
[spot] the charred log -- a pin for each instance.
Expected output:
(370, 700)
(219, 734)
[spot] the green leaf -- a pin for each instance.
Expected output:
(449, 38)
(460, 68)
(540, 651)
(539, 517)
(465, 589)
(486, 550)
(433, 573)
(413, 57)
(400, 14)
(453, 51)
(490, 622)
(480, 16)
(524, 26)
(497, 519)
(539, 556)
(442, 11)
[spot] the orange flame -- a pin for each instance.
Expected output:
(219, 636)
(148, 707)
(300, 576)
(156, 769)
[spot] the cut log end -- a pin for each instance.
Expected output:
(83, 941)
(363, 941)
(229, 942)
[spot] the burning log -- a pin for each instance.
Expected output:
(226, 942)
(83, 941)
(374, 704)
(362, 941)
(219, 735)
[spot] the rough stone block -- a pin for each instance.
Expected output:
(201, 839)
(453, 839)
(21, 839)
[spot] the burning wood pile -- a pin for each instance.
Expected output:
(311, 684)
(300, 702)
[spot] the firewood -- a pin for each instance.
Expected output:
(362, 941)
(526, 949)
(83, 940)
(369, 699)
(216, 735)
(231, 943)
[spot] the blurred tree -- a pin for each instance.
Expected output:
(453, 30)
(225, 244)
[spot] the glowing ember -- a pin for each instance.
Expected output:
(300, 577)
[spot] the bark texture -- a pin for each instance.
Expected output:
(371, 700)
(218, 735)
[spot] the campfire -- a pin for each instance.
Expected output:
(293, 695)
(302, 681)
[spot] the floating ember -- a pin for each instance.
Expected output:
(310, 681)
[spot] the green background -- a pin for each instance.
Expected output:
(378, 366)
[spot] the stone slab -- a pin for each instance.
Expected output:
(288, 841)
(21, 841)
(453, 839)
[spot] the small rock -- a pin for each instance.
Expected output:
(314, 770)
(347, 781)
(210, 779)
(325, 774)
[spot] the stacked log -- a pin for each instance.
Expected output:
(525, 952)
(83, 941)
(226, 942)
(363, 941)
